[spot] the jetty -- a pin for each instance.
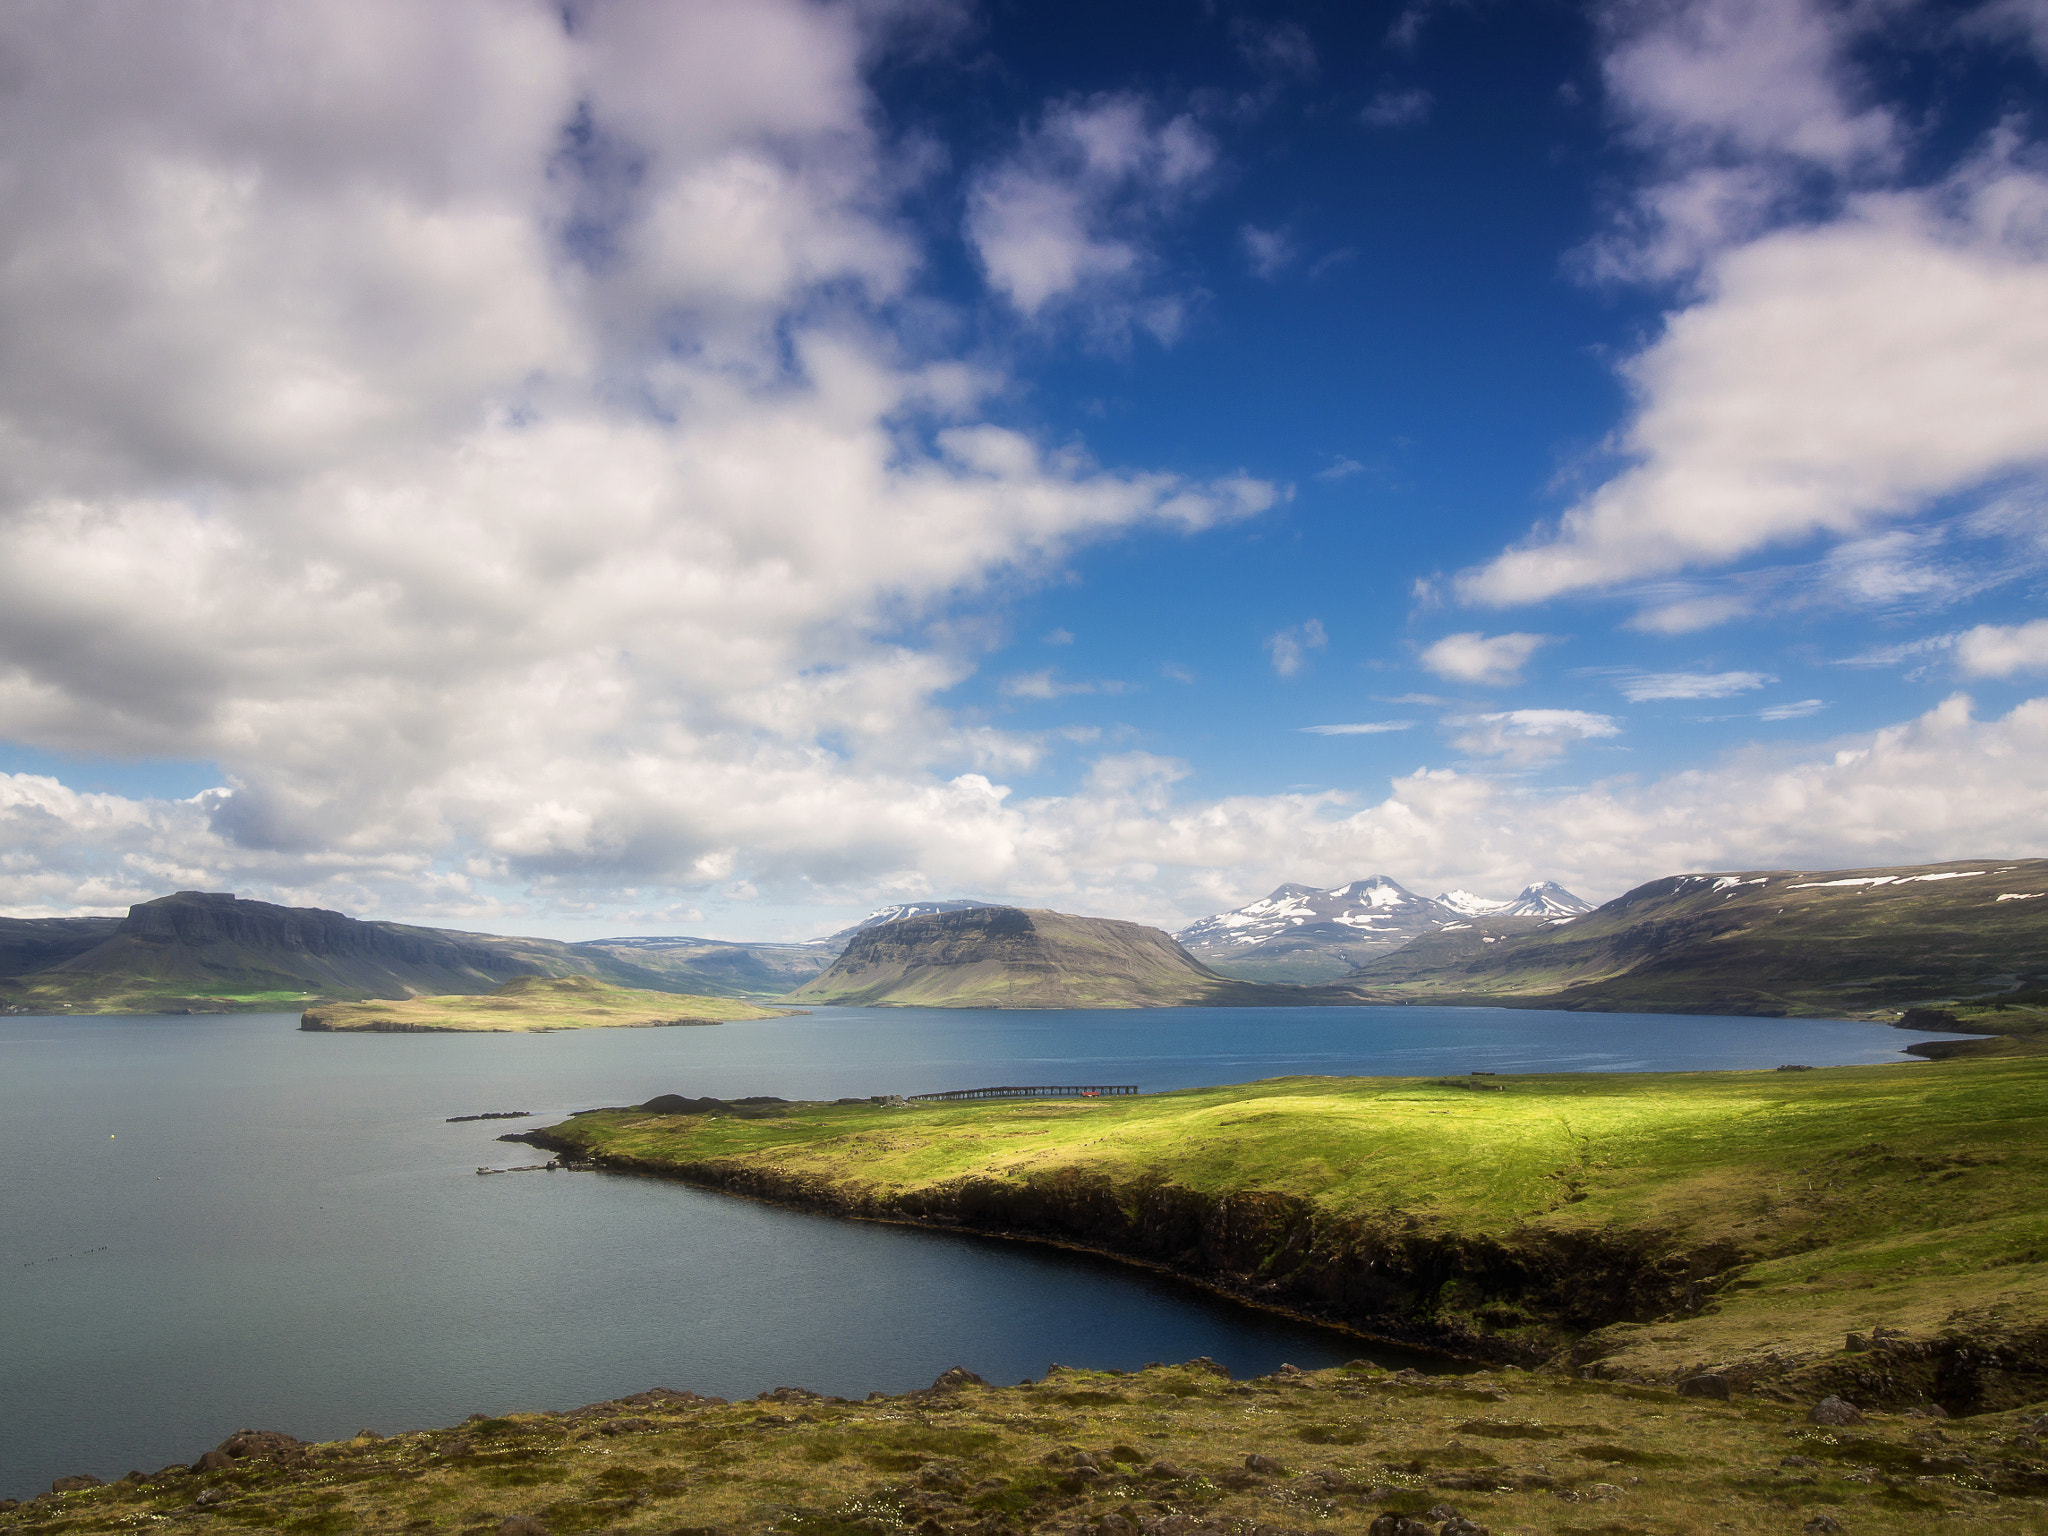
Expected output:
(1056, 1091)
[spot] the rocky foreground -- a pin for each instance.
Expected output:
(1167, 1451)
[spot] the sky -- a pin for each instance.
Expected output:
(719, 466)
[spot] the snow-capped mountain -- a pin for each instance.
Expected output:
(1465, 904)
(1305, 932)
(1546, 898)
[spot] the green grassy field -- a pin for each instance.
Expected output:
(1647, 1224)
(529, 1003)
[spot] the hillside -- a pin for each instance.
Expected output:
(529, 1004)
(1753, 1220)
(208, 952)
(1832, 942)
(715, 966)
(1301, 933)
(1007, 957)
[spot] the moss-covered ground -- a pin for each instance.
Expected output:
(1168, 1451)
(530, 1003)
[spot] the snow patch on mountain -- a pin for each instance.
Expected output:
(1373, 915)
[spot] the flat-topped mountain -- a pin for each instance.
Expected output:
(1758, 941)
(1302, 933)
(1010, 957)
(208, 951)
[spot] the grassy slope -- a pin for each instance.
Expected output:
(528, 1003)
(1779, 942)
(1826, 1201)
(1162, 1449)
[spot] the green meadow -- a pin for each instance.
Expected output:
(1641, 1225)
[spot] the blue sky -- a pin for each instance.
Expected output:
(716, 468)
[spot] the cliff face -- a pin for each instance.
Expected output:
(1011, 957)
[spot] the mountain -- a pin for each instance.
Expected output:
(717, 966)
(1546, 898)
(1008, 957)
(30, 943)
(1828, 942)
(838, 941)
(728, 968)
(1301, 933)
(208, 952)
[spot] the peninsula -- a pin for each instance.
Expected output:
(528, 1004)
(1648, 1228)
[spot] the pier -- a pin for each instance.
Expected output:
(1057, 1091)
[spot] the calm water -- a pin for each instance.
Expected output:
(212, 1223)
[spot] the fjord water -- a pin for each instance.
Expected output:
(215, 1223)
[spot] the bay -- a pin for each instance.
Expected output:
(215, 1223)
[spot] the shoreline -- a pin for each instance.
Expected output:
(1210, 1285)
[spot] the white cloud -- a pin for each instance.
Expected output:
(1794, 711)
(1047, 684)
(1999, 650)
(1289, 648)
(1644, 687)
(1831, 378)
(1268, 252)
(1065, 218)
(1125, 845)
(1755, 77)
(480, 440)
(1489, 660)
(1522, 736)
(1057, 637)
(1362, 728)
(1342, 467)
(1398, 108)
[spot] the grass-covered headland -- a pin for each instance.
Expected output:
(1645, 1228)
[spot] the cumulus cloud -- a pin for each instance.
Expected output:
(1833, 377)
(1852, 349)
(1065, 218)
(1289, 648)
(480, 441)
(1125, 844)
(1488, 660)
(1519, 737)
(1999, 650)
(1643, 687)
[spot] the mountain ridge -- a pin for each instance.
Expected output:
(1310, 934)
